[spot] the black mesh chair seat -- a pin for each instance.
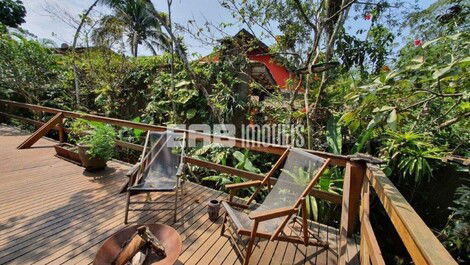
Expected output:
(161, 168)
(242, 221)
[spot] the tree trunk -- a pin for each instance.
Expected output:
(329, 53)
(135, 43)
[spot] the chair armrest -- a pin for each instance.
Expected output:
(270, 214)
(243, 184)
(236, 204)
(133, 170)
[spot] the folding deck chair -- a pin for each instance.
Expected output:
(159, 170)
(286, 198)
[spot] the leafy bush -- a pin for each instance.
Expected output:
(457, 232)
(98, 137)
(410, 155)
(30, 72)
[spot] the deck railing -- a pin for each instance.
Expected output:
(359, 177)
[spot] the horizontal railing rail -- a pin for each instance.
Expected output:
(338, 160)
(359, 176)
(421, 243)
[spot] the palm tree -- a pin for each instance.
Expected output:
(131, 19)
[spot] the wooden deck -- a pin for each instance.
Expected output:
(51, 211)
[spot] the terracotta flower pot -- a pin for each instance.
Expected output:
(90, 163)
(213, 208)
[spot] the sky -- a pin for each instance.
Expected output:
(44, 25)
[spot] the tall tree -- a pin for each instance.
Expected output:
(133, 20)
(12, 13)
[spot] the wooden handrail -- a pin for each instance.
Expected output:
(422, 245)
(338, 160)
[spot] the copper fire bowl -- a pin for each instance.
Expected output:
(168, 237)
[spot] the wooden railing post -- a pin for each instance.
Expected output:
(365, 208)
(354, 174)
(357, 173)
(61, 130)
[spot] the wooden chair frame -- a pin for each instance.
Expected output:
(135, 174)
(286, 212)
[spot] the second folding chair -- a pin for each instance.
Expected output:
(159, 170)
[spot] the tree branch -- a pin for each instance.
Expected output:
(340, 10)
(453, 121)
(439, 94)
(304, 15)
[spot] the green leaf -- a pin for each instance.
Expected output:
(378, 118)
(382, 109)
(440, 72)
(239, 156)
(347, 117)
(365, 136)
(250, 167)
(426, 44)
(392, 119)
(190, 113)
(464, 61)
(184, 95)
(183, 83)
(334, 138)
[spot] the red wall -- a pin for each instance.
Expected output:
(279, 72)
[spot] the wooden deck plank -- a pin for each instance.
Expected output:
(76, 252)
(187, 214)
(50, 213)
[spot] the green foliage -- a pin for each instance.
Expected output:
(411, 155)
(78, 129)
(244, 161)
(30, 72)
(355, 52)
(12, 13)
(334, 137)
(230, 157)
(456, 235)
(134, 19)
(441, 18)
(99, 138)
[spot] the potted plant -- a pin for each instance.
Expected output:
(68, 152)
(96, 143)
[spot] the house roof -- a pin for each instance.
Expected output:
(258, 53)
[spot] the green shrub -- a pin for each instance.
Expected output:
(98, 137)
(457, 232)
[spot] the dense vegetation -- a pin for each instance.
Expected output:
(409, 106)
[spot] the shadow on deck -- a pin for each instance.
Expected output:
(50, 212)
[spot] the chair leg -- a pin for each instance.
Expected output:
(222, 229)
(249, 248)
(176, 205)
(182, 188)
(126, 214)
